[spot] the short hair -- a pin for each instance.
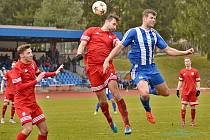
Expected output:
(22, 48)
(110, 17)
(146, 12)
(187, 58)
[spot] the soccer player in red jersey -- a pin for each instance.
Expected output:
(8, 96)
(24, 78)
(189, 80)
(99, 42)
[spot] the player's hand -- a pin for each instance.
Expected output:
(105, 66)
(59, 69)
(189, 51)
(40, 76)
(198, 93)
(77, 58)
(177, 93)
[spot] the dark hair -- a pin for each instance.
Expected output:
(146, 12)
(22, 48)
(110, 17)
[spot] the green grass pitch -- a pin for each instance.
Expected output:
(73, 119)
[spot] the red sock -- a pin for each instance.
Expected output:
(105, 110)
(183, 112)
(193, 114)
(4, 110)
(21, 136)
(41, 137)
(123, 111)
(12, 112)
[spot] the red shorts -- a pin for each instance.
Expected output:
(8, 97)
(190, 98)
(32, 114)
(97, 79)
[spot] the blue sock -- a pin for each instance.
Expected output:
(153, 91)
(97, 107)
(114, 106)
(145, 103)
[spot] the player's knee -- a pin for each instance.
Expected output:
(165, 92)
(44, 131)
(28, 129)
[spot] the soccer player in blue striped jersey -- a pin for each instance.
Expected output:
(144, 73)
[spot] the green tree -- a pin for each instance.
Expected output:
(61, 14)
(18, 12)
(192, 23)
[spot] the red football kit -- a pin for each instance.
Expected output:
(9, 95)
(99, 45)
(23, 80)
(189, 77)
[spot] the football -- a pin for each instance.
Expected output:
(99, 8)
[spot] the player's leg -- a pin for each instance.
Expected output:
(12, 113)
(97, 108)
(26, 130)
(4, 109)
(26, 121)
(143, 89)
(113, 86)
(160, 85)
(193, 112)
(105, 110)
(114, 105)
(110, 98)
(183, 114)
(43, 130)
(193, 102)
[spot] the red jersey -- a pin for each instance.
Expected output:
(8, 77)
(189, 79)
(99, 44)
(23, 79)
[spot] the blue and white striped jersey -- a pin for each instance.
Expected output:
(143, 43)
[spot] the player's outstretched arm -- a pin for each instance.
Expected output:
(59, 69)
(80, 51)
(175, 52)
(113, 53)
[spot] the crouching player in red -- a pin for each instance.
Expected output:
(189, 79)
(8, 96)
(24, 80)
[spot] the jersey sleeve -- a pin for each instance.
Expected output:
(87, 34)
(180, 76)
(128, 37)
(17, 81)
(161, 44)
(197, 76)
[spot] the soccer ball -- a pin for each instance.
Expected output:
(99, 8)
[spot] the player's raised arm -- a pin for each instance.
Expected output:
(175, 52)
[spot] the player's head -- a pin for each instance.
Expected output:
(25, 53)
(187, 62)
(111, 22)
(13, 63)
(149, 18)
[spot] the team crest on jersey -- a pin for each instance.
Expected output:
(184, 74)
(97, 33)
(192, 73)
(23, 113)
(26, 70)
(110, 36)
